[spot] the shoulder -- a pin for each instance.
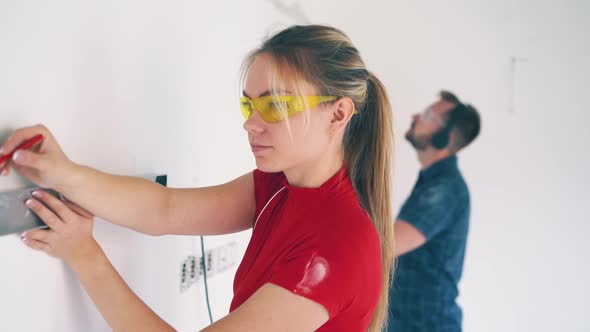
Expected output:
(350, 232)
(443, 190)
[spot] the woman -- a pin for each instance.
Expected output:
(320, 127)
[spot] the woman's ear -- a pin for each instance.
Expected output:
(343, 111)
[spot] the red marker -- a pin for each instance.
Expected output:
(27, 144)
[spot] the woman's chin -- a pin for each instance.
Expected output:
(265, 165)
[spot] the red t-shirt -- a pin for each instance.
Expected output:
(317, 243)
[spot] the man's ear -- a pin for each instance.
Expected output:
(454, 137)
(343, 111)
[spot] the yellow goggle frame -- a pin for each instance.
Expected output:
(274, 108)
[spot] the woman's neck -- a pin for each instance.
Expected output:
(313, 174)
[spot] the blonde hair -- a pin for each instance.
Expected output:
(326, 57)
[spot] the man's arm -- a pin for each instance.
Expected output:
(426, 213)
(406, 238)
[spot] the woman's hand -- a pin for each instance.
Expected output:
(70, 234)
(46, 165)
(70, 239)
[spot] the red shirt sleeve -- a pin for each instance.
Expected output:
(336, 269)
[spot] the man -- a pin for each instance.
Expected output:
(431, 229)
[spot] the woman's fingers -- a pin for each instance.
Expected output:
(69, 232)
(21, 135)
(5, 170)
(45, 236)
(44, 164)
(26, 158)
(56, 206)
(50, 218)
(4, 166)
(37, 245)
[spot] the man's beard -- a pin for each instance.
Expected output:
(419, 143)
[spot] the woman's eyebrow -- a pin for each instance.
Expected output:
(268, 93)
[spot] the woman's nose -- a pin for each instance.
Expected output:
(255, 123)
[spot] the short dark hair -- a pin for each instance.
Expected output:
(463, 119)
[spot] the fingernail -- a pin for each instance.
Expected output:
(17, 156)
(1, 151)
(30, 202)
(36, 194)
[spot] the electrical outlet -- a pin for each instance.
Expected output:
(209, 265)
(192, 269)
(216, 260)
(184, 282)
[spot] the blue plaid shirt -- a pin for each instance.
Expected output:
(425, 287)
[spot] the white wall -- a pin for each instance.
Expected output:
(151, 86)
(110, 79)
(81, 70)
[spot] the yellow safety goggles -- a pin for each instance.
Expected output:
(275, 108)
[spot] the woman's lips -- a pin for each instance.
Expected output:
(259, 148)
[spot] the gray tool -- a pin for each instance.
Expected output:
(15, 216)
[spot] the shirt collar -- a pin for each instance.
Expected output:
(442, 165)
(336, 182)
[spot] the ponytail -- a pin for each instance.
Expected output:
(368, 151)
